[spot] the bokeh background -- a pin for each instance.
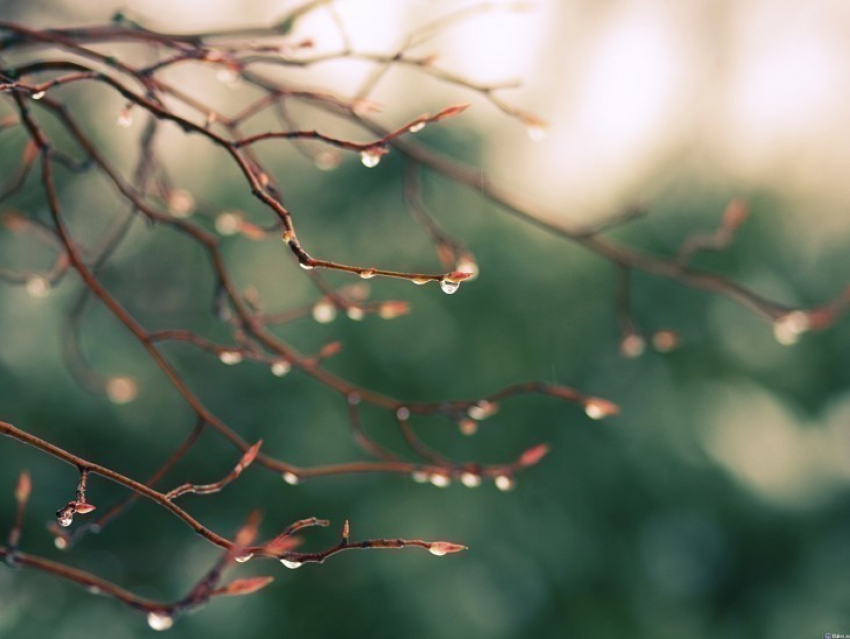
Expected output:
(715, 505)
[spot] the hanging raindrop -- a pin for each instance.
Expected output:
(470, 480)
(160, 620)
(370, 159)
(281, 368)
(440, 480)
(230, 357)
(449, 287)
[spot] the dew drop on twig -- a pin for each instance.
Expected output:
(160, 621)
(449, 287)
(292, 565)
(788, 328)
(370, 159)
(505, 483)
(281, 367)
(596, 408)
(230, 357)
(482, 410)
(440, 480)
(470, 480)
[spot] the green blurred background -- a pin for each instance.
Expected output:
(715, 505)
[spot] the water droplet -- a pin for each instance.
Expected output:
(291, 478)
(230, 357)
(448, 286)
(281, 367)
(419, 476)
(228, 223)
(125, 119)
(370, 159)
(353, 399)
(160, 620)
(368, 274)
(244, 558)
(292, 565)
(94, 590)
(328, 160)
(468, 427)
(403, 413)
(355, 313)
(38, 95)
(788, 328)
(632, 346)
(305, 266)
(440, 480)
(416, 128)
(470, 480)
(482, 410)
(37, 286)
(66, 518)
(181, 203)
(60, 542)
(536, 132)
(419, 281)
(505, 483)
(324, 311)
(596, 408)
(121, 390)
(437, 551)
